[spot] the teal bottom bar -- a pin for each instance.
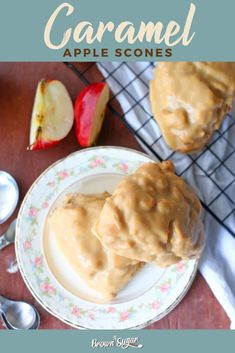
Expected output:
(144, 341)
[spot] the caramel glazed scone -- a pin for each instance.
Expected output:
(101, 269)
(190, 99)
(152, 216)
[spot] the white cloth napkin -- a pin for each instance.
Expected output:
(209, 172)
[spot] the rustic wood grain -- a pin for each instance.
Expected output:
(198, 310)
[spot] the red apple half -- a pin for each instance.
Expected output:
(52, 116)
(90, 107)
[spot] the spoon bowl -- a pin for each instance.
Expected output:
(9, 195)
(19, 315)
(35, 326)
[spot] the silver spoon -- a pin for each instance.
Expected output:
(33, 327)
(18, 315)
(9, 236)
(9, 196)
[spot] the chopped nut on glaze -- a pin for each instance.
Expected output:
(152, 216)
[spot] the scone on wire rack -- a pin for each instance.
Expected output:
(190, 99)
(152, 216)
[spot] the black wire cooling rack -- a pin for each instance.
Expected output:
(215, 164)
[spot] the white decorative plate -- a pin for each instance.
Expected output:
(152, 293)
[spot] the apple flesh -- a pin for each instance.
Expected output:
(52, 116)
(90, 107)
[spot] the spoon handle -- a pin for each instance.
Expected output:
(3, 242)
(2, 303)
(2, 300)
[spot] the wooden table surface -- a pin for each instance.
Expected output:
(198, 310)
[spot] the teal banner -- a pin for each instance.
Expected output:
(150, 30)
(145, 341)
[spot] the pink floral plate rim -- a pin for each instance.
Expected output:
(31, 262)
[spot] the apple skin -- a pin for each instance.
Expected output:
(39, 144)
(52, 116)
(90, 107)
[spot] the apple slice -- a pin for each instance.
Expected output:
(52, 116)
(90, 107)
